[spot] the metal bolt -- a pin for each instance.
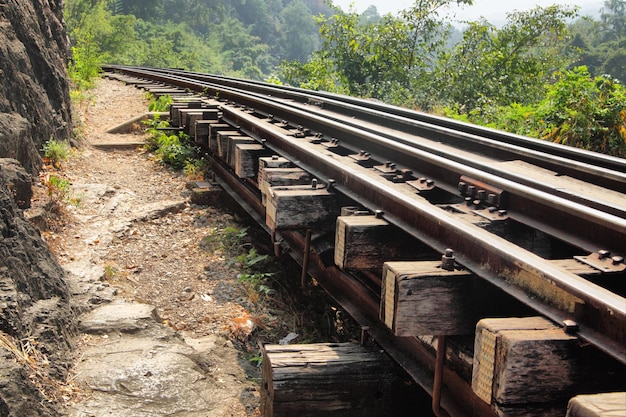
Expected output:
(430, 183)
(379, 214)
(617, 260)
(364, 335)
(492, 198)
(314, 183)
(493, 209)
(502, 213)
(468, 201)
(331, 183)
(471, 189)
(482, 194)
(388, 164)
(447, 260)
(274, 157)
(570, 326)
(476, 202)
(461, 187)
(603, 254)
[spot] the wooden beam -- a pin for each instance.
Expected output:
(421, 298)
(367, 241)
(598, 405)
(188, 118)
(214, 130)
(201, 131)
(233, 141)
(525, 364)
(278, 177)
(298, 207)
(246, 159)
(328, 380)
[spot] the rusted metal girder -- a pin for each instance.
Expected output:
(550, 290)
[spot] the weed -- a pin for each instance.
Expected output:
(172, 150)
(109, 272)
(196, 169)
(56, 152)
(256, 360)
(161, 104)
(58, 188)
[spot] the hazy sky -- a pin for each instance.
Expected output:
(493, 10)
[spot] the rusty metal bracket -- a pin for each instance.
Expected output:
(422, 184)
(475, 189)
(603, 261)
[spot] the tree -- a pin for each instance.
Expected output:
(298, 38)
(614, 21)
(585, 112)
(507, 65)
(389, 57)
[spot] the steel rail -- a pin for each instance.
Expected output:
(565, 160)
(551, 291)
(603, 231)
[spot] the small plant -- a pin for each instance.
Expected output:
(161, 104)
(58, 188)
(175, 151)
(109, 272)
(196, 169)
(56, 152)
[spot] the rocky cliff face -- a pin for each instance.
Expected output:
(36, 321)
(34, 93)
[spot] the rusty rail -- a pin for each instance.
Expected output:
(309, 138)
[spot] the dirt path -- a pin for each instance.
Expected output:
(158, 309)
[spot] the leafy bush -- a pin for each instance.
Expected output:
(578, 110)
(56, 151)
(161, 104)
(174, 151)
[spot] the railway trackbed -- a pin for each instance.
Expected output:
(489, 266)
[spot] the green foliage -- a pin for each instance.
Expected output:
(161, 104)
(56, 151)
(85, 66)
(498, 67)
(585, 112)
(174, 150)
(242, 38)
(577, 110)
(197, 168)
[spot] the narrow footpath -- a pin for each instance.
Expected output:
(155, 309)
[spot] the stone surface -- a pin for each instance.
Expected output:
(117, 317)
(143, 368)
(600, 405)
(18, 181)
(34, 92)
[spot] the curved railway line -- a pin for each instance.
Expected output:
(420, 227)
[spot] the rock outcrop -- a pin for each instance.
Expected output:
(34, 91)
(36, 322)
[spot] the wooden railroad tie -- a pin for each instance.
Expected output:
(246, 159)
(367, 241)
(329, 380)
(279, 177)
(217, 133)
(301, 206)
(530, 366)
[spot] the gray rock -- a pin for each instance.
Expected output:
(118, 317)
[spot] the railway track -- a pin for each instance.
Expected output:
(398, 214)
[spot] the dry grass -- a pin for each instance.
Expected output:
(26, 354)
